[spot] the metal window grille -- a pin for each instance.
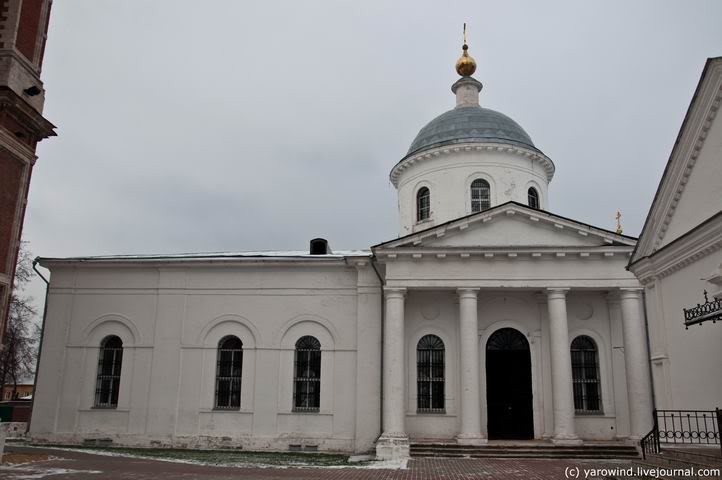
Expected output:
(585, 376)
(533, 198)
(423, 204)
(430, 375)
(307, 375)
(228, 373)
(480, 195)
(110, 361)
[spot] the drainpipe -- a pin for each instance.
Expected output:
(383, 318)
(649, 348)
(40, 345)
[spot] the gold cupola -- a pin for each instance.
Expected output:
(465, 65)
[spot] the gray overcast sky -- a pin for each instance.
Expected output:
(225, 125)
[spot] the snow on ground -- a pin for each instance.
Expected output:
(22, 472)
(371, 465)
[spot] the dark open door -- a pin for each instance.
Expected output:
(508, 386)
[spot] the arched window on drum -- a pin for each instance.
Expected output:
(423, 204)
(533, 197)
(480, 195)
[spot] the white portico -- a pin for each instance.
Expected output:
(554, 281)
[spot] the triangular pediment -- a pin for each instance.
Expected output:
(511, 225)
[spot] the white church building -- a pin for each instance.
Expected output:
(488, 318)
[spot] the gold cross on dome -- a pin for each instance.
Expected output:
(619, 225)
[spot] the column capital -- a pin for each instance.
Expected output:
(557, 292)
(630, 292)
(395, 292)
(464, 292)
(612, 297)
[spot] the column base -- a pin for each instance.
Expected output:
(566, 440)
(392, 446)
(470, 439)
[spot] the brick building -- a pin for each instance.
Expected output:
(23, 31)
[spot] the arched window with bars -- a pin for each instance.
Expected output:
(110, 362)
(423, 204)
(533, 197)
(228, 373)
(307, 375)
(585, 375)
(480, 195)
(430, 373)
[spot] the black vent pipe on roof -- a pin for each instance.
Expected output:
(319, 246)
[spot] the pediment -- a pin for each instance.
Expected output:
(511, 225)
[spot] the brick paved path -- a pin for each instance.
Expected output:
(75, 465)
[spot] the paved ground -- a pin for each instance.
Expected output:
(58, 465)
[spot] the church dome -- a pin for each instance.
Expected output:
(471, 123)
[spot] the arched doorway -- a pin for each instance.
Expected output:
(508, 386)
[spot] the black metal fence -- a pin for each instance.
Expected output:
(683, 427)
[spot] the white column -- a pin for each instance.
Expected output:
(562, 396)
(636, 363)
(393, 443)
(470, 433)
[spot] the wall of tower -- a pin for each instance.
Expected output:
(23, 31)
(448, 176)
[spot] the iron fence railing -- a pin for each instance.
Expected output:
(682, 427)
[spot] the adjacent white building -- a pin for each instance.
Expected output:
(679, 257)
(488, 318)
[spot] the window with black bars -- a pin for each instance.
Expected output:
(585, 376)
(430, 375)
(480, 195)
(423, 204)
(307, 375)
(228, 373)
(110, 361)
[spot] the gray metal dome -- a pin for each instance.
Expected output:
(470, 124)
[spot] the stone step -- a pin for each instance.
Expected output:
(523, 451)
(454, 446)
(521, 455)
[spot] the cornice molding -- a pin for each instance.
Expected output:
(505, 253)
(407, 162)
(683, 252)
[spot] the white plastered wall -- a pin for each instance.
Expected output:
(170, 321)
(685, 363)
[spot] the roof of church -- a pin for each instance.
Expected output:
(269, 254)
(470, 124)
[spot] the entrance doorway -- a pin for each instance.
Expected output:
(508, 386)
